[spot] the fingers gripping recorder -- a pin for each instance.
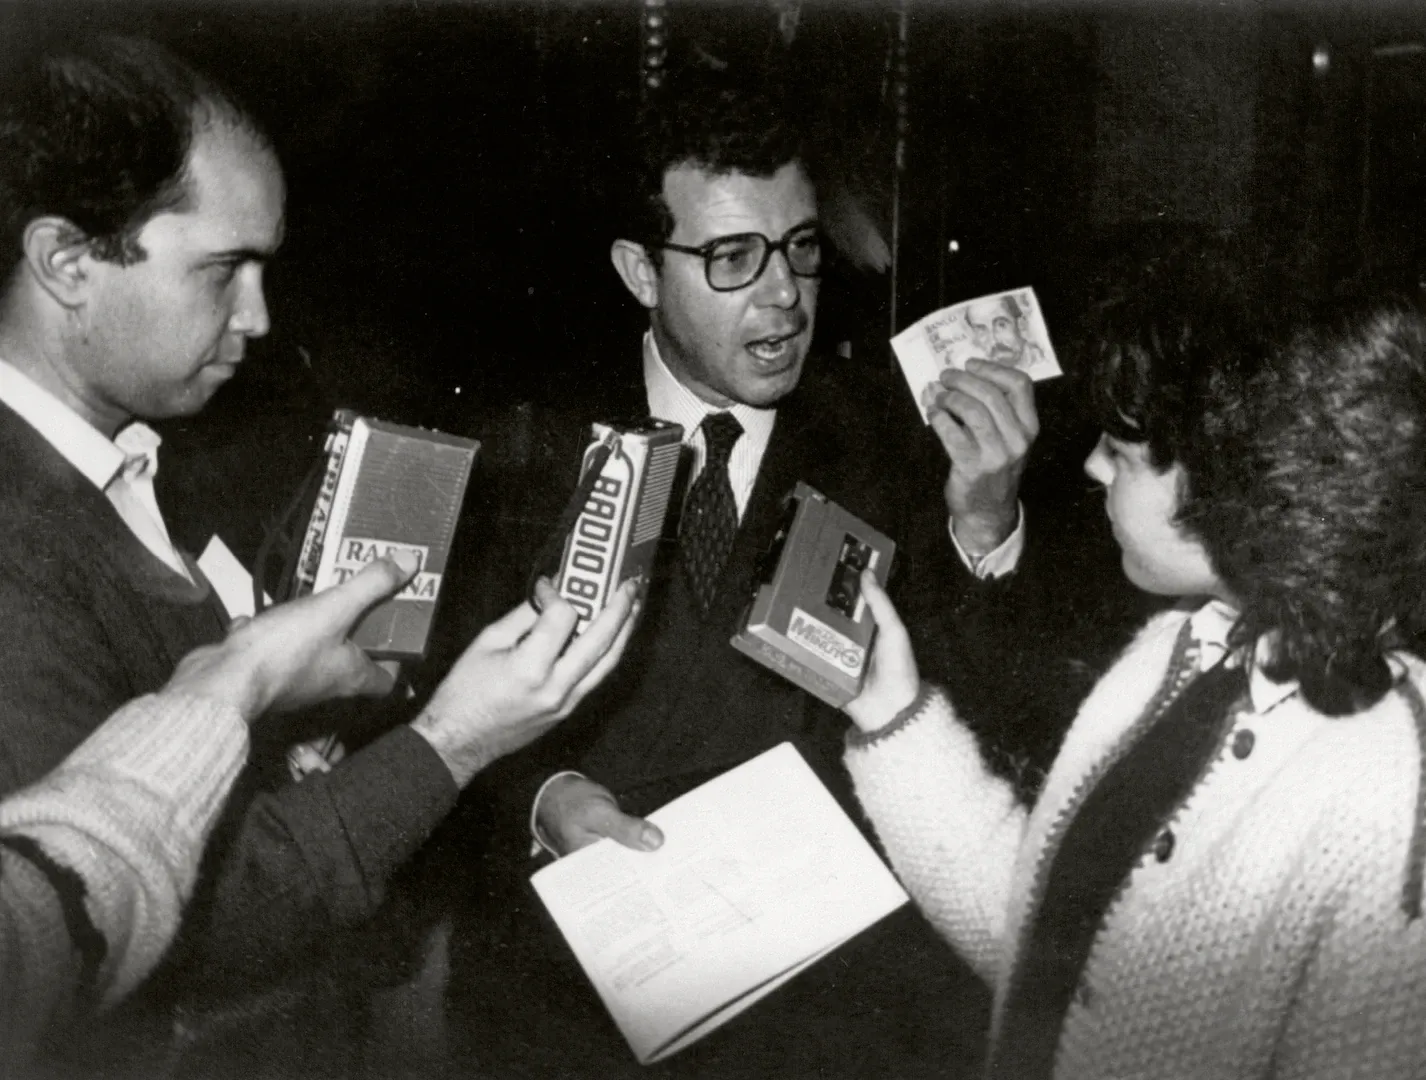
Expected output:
(617, 512)
(808, 619)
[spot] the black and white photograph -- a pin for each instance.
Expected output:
(712, 539)
(1004, 328)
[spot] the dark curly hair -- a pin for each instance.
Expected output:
(1319, 496)
(715, 123)
(97, 132)
(1303, 450)
(1164, 342)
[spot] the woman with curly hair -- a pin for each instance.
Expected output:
(1222, 876)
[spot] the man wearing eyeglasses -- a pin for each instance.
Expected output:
(725, 253)
(723, 250)
(730, 318)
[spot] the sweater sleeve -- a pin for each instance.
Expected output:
(1019, 653)
(127, 813)
(951, 828)
(318, 855)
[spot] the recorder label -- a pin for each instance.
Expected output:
(356, 552)
(817, 637)
(591, 554)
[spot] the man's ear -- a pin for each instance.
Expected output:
(636, 271)
(56, 256)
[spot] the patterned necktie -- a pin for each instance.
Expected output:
(710, 515)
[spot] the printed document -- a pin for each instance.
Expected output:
(760, 875)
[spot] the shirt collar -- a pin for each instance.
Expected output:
(139, 444)
(84, 446)
(670, 400)
(1210, 626)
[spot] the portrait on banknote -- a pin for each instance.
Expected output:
(1005, 327)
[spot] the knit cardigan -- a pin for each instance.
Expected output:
(127, 812)
(1274, 940)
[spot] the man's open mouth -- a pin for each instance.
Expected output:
(772, 349)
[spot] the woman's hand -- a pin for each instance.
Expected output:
(892, 680)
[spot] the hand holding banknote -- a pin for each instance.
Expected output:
(985, 418)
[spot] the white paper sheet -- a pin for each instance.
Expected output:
(229, 578)
(761, 874)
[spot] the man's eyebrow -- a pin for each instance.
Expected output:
(250, 254)
(811, 222)
(240, 255)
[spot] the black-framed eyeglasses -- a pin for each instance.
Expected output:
(736, 261)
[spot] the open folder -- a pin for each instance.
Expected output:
(760, 875)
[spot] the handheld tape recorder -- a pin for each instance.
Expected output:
(808, 619)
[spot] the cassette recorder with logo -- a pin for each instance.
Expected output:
(808, 619)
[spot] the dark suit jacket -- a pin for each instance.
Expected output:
(684, 704)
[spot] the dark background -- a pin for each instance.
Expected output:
(451, 169)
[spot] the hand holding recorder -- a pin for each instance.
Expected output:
(521, 676)
(892, 678)
(574, 811)
(514, 682)
(297, 654)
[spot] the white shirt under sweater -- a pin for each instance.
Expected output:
(99, 459)
(1272, 941)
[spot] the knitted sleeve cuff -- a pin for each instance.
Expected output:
(924, 694)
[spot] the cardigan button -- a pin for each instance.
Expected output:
(1163, 846)
(1243, 744)
(1084, 995)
